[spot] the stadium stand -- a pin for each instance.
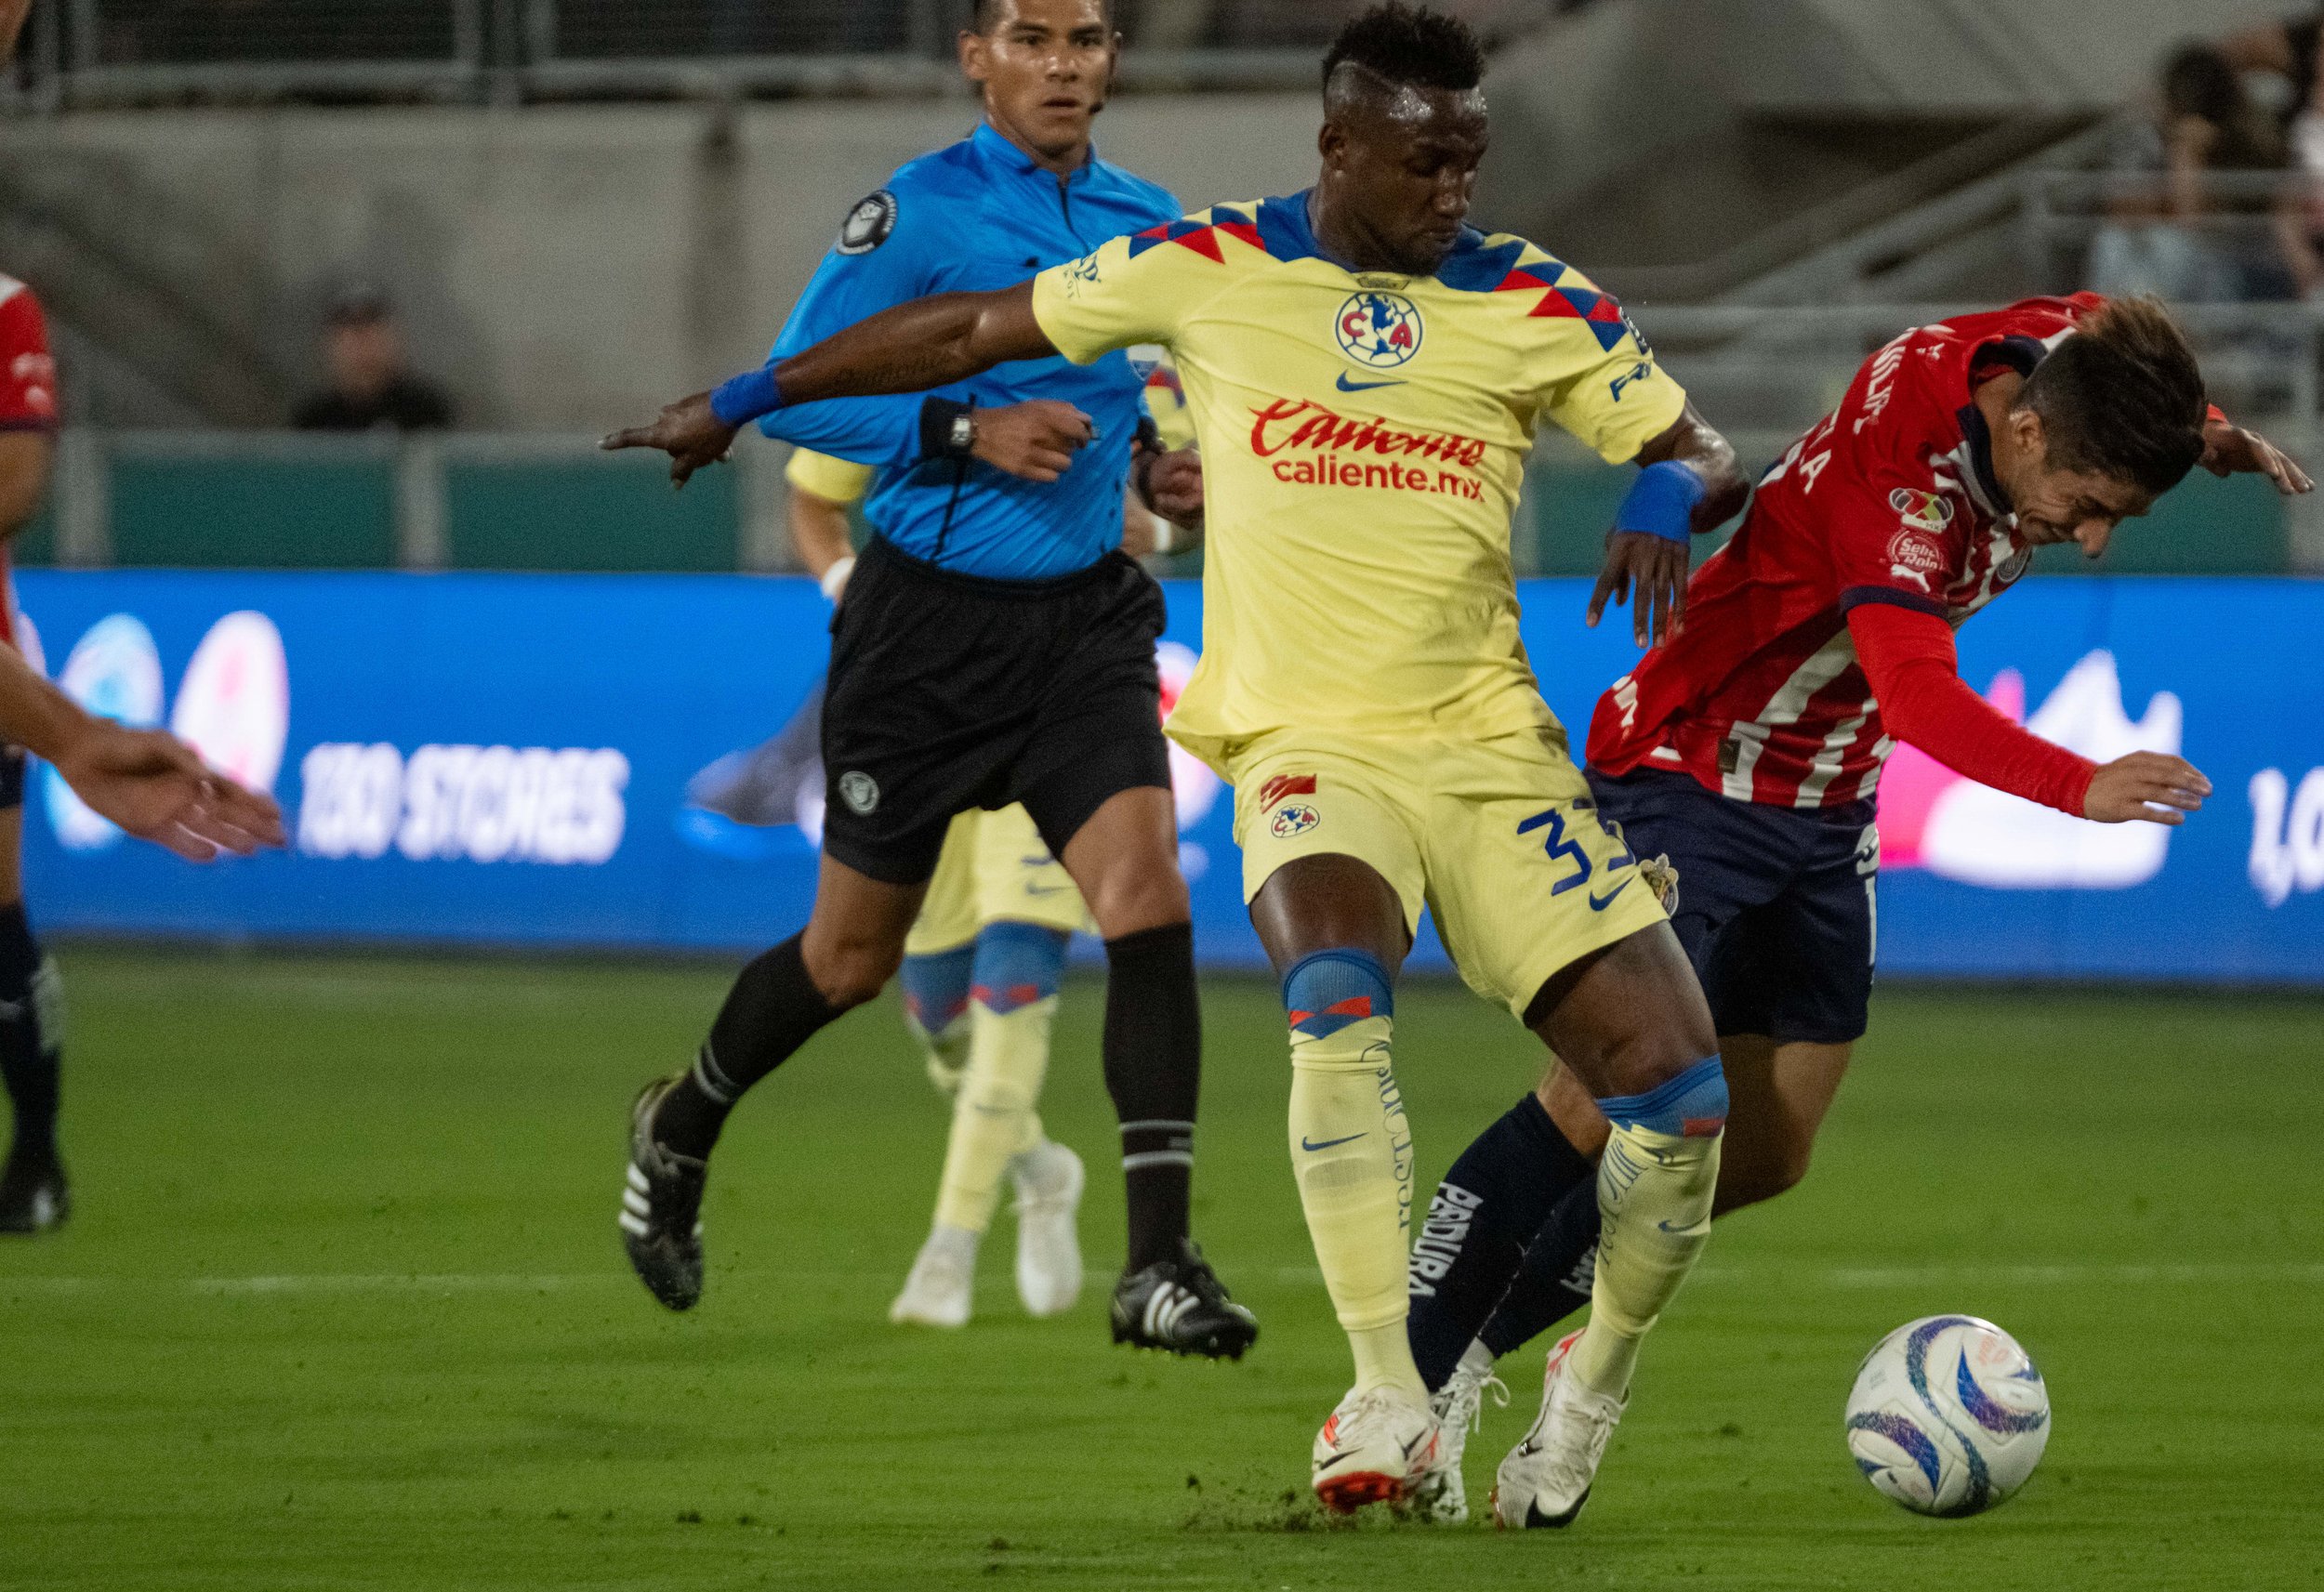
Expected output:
(1800, 207)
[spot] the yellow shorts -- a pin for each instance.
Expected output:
(1499, 838)
(994, 869)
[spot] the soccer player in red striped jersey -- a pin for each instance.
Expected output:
(1746, 748)
(33, 1194)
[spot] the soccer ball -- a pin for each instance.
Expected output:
(1947, 1415)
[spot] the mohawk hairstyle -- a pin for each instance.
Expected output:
(1411, 45)
(2122, 397)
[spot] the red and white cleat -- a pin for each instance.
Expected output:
(1379, 1447)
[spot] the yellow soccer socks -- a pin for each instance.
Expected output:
(1013, 1001)
(1351, 1151)
(1654, 1187)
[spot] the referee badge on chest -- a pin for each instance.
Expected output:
(860, 791)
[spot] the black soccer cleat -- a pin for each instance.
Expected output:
(34, 1197)
(1180, 1305)
(661, 1207)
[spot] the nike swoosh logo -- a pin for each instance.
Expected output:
(1347, 386)
(1307, 1143)
(1047, 889)
(1599, 904)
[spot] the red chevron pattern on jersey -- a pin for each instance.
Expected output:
(1202, 236)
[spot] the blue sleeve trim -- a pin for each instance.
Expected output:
(1857, 595)
(740, 399)
(1693, 1105)
(1662, 501)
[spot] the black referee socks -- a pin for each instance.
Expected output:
(772, 1009)
(1154, 1071)
(28, 1048)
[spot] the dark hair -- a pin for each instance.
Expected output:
(985, 15)
(2122, 397)
(1409, 45)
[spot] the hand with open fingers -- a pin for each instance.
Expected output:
(2230, 450)
(2151, 788)
(1655, 568)
(688, 430)
(1033, 442)
(157, 788)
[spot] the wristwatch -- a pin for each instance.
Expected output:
(948, 428)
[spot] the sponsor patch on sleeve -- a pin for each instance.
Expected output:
(870, 224)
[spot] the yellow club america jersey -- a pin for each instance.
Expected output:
(1363, 438)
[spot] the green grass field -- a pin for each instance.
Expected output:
(343, 1307)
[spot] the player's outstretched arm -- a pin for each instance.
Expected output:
(2228, 450)
(1908, 660)
(927, 343)
(1688, 483)
(147, 781)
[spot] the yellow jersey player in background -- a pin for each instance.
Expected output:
(1366, 373)
(980, 972)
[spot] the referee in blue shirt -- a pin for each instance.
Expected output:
(994, 646)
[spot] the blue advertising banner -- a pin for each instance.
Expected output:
(528, 759)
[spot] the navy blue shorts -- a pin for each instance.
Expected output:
(1776, 904)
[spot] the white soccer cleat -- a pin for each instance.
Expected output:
(1050, 1181)
(1380, 1447)
(1546, 1479)
(943, 1277)
(1459, 1407)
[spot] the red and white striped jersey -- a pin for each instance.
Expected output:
(28, 396)
(1891, 498)
(28, 377)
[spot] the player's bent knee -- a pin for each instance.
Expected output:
(1131, 902)
(850, 973)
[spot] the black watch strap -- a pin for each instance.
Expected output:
(948, 428)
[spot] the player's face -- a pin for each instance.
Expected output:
(1399, 171)
(2059, 505)
(2075, 506)
(1046, 69)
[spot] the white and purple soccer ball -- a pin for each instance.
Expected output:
(1947, 1415)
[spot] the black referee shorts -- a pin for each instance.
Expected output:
(949, 692)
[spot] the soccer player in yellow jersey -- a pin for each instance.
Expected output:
(980, 977)
(1365, 374)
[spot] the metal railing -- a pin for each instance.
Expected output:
(1780, 369)
(135, 52)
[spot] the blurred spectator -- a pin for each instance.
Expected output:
(371, 385)
(12, 15)
(2173, 230)
(2289, 49)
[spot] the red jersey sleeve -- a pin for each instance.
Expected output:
(28, 377)
(1909, 661)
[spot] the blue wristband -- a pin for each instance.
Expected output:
(1662, 502)
(744, 397)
